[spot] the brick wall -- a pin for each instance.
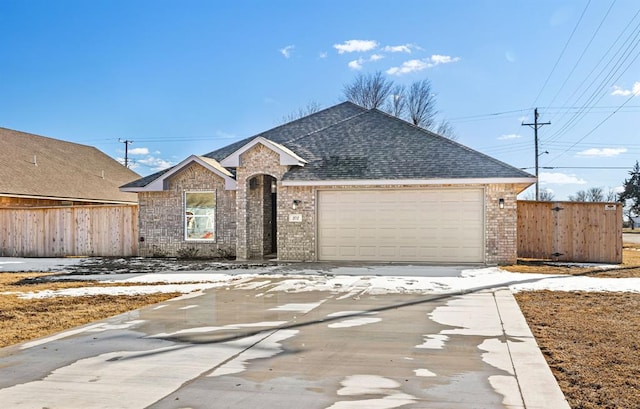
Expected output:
(250, 211)
(501, 225)
(297, 240)
(162, 217)
(161, 223)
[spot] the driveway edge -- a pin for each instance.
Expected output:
(538, 386)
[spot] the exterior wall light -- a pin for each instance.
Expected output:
(501, 203)
(296, 203)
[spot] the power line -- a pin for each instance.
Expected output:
(561, 54)
(583, 53)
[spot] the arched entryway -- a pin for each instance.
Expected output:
(262, 226)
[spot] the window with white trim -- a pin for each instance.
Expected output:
(200, 215)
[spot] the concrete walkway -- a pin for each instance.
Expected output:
(254, 345)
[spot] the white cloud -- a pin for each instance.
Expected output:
(443, 59)
(618, 189)
(154, 163)
(356, 64)
(560, 179)
(139, 151)
(287, 51)
(351, 46)
(619, 91)
(419, 65)
(408, 67)
(510, 136)
(404, 48)
(602, 152)
(322, 54)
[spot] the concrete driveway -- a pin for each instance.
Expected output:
(255, 343)
(631, 238)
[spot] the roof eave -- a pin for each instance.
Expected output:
(406, 182)
(287, 156)
(159, 184)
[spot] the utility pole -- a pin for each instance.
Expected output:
(535, 125)
(126, 151)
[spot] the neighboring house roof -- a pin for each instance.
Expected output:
(45, 168)
(350, 144)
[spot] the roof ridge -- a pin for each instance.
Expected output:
(329, 126)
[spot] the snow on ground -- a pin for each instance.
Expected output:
(349, 285)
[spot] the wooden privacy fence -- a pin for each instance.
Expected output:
(570, 231)
(69, 231)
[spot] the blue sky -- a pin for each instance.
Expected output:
(187, 77)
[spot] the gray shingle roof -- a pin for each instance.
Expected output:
(64, 169)
(375, 145)
(348, 142)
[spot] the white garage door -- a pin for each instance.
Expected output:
(434, 225)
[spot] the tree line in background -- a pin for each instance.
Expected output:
(629, 197)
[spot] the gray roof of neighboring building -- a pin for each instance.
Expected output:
(348, 142)
(42, 167)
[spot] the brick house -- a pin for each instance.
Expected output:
(345, 183)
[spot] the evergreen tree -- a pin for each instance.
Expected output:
(631, 194)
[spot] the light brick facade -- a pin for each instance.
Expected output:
(244, 217)
(162, 217)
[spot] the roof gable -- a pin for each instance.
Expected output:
(160, 182)
(41, 167)
(286, 155)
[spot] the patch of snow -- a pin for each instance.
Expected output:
(366, 385)
(269, 346)
(424, 373)
(506, 386)
(354, 322)
(188, 307)
(434, 341)
(297, 307)
(357, 385)
(202, 330)
(496, 354)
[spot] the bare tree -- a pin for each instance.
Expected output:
(421, 104)
(369, 91)
(415, 104)
(311, 108)
(580, 196)
(595, 195)
(546, 196)
(397, 104)
(446, 129)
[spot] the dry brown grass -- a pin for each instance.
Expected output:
(26, 319)
(630, 266)
(591, 342)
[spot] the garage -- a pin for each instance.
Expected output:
(425, 225)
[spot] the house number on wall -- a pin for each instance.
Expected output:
(295, 218)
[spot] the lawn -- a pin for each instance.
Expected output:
(591, 341)
(25, 319)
